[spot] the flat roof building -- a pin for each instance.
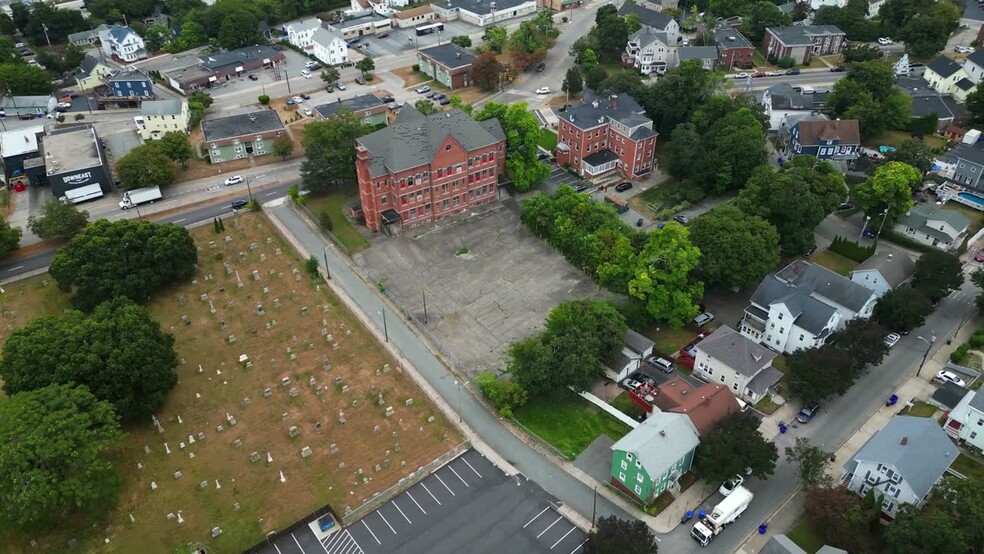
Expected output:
(74, 159)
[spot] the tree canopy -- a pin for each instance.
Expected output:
(868, 93)
(819, 373)
(811, 460)
(903, 310)
(142, 257)
(522, 130)
(9, 237)
(176, 146)
(329, 150)
(486, 71)
(620, 536)
(661, 278)
(953, 521)
(55, 456)
(937, 274)
(736, 249)
(734, 445)
(145, 166)
(914, 152)
(25, 79)
(58, 220)
(888, 191)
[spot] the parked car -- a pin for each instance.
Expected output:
(963, 50)
(278, 48)
(808, 412)
(239, 204)
(793, 71)
(979, 256)
(950, 377)
(623, 186)
(810, 251)
(774, 74)
(543, 90)
(306, 96)
(540, 67)
(341, 86)
(440, 96)
(387, 99)
(422, 89)
(845, 206)
(741, 75)
(731, 484)
(884, 41)
(662, 364)
(234, 180)
(444, 101)
(838, 69)
(312, 65)
(681, 219)
(360, 79)
(631, 384)
(892, 339)
(298, 99)
(703, 319)
(758, 74)
(306, 74)
(252, 77)
(580, 187)
(432, 95)
(307, 111)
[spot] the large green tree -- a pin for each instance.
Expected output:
(55, 457)
(734, 445)
(819, 373)
(24, 79)
(366, 67)
(573, 83)
(868, 93)
(495, 36)
(145, 166)
(887, 193)
(863, 341)
(239, 29)
(522, 130)
(903, 309)
(176, 146)
(661, 276)
(937, 274)
(736, 249)
(621, 536)
(58, 220)
(486, 71)
(915, 152)
(329, 149)
(761, 15)
(144, 257)
(953, 521)
(611, 32)
(9, 237)
(677, 95)
(812, 462)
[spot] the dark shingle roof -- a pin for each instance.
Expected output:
(943, 66)
(726, 37)
(129, 74)
(649, 18)
(923, 106)
(239, 56)
(355, 104)
(449, 55)
(221, 128)
(802, 34)
(977, 57)
(808, 312)
(965, 84)
(736, 351)
(895, 266)
(816, 279)
(622, 108)
(949, 395)
(89, 63)
(685, 53)
(479, 6)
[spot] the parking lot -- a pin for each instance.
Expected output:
(468, 505)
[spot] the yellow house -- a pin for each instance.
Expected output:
(944, 75)
(159, 117)
(91, 73)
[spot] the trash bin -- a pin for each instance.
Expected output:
(763, 528)
(782, 428)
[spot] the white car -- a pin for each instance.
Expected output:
(234, 180)
(963, 50)
(543, 90)
(950, 377)
(774, 74)
(422, 89)
(297, 99)
(741, 75)
(703, 319)
(340, 86)
(631, 384)
(892, 339)
(731, 484)
(884, 41)
(308, 112)
(306, 74)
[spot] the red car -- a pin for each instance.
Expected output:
(979, 257)
(758, 74)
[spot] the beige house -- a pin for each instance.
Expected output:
(738, 362)
(946, 76)
(91, 73)
(159, 117)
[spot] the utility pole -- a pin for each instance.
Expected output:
(929, 346)
(249, 190)
(286, 76)
(424, 294)
(327, 271)
(45, 28)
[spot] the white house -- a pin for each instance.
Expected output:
(653, 21)
(884, 271)
(483, 12)
(648, 52)
(328, 47)
(299, 33)
(966, 421)
(382, 7)
(802, 305)
(637, 347)
(159, 117)
(708, 55)
(927, 224)
(785, 106)
(122, 43)
(901, 462)
(974, 65)
(817, 4)
(731, 359)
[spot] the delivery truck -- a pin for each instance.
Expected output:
(724, 514)
(136, 197)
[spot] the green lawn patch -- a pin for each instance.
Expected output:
(834, 262)
(664, 500)
(921, 409)
(894, 138)
(766, 405)
(661, 201)
(805, 537)
(967, 465)
(627, 406)
(669, 341)
(342, 228)
(569, 423)
(548, 139)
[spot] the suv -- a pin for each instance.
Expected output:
(624, 186)
(540, 67)
(808, 412)
(422, 89)
(360, 80)
(703, 319)
(662, 364)
(239, 204)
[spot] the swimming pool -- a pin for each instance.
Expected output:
(972, 200)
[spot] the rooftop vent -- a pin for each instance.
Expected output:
(731, 38)
(594, 104)
(904, 441)
(662, 433)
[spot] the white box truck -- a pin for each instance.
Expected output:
(725, 513)
(136, 197)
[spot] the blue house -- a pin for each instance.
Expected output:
(130, 82)
(824, 139)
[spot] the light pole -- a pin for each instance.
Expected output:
(864, 227)
(385, 330)
(248, 189)
(286, 76)
(929, 346)
(459, 385)
(327, 271)
(884, 217)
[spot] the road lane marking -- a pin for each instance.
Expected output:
(417, 503)
(323, 547)
(445, 484)
(578, 547)
(270, 193)
(386, 522)
(473, 469)
(534, 517)
(401, 512)
(549, 526)
(297, 543)
(459, 477)
(370, 532)
(16, 268)
(179, 220)
(430, 493)
(564, 537)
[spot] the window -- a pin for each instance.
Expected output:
(980, 422)
(638, 489)
(973, 435)
(780, 317)
(639, 477)
(722, 377)
(639, 465)
(447, 148)
(621, 477)
(625, 465)
(801, 336)
(734, 387)
(382, 200)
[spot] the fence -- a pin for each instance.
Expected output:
(306, 212)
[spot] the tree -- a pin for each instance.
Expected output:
(239, 28)
(661, 276)
(925, 36)
(914, 152)
(283, 146)
(887, 193)
(201, 97)
(818, 373)
(486, 72)
(786, 202)
(863, 341)
(426, 107)
(522, 131)
(621, 536)
(573, 83)
(176, 146)
(679, 93)
(811, 461)
(329, 149)
(9, 237)
(975, 104)
(156, 36)
(862, 53)
(937, 274)
(611, 32)
(145, 257)
(56, 457)
(25, 79)
(463, 41)
(595, 77)
(589, 60)
(761, 15)
(978, 279)
(868, 93)
(58, 220)
(459, 104)
(736, 249)
(843, 518)
(495, 36)
(366, 66)
(329, 75)
(903, 309)
(145, 166)
(735, 444)
(505, 394)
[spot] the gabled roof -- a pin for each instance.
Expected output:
(705, 405)
(592, 108)
(799, 35)
(218, 60)
(781, 544)
(324, 37)
(973, 153)
(119, 33)
(161, 107)
(915, 446)
(356, 105)
(685, 53)
(921, 214)
(449, 55)
(923, 106)
(977, 402)
(844, 130)
(412, 12)
(976, 57)
(304, 25)
(943, 66)
(895, 266)
(649, 18)
(965, 84)
(129, 74)
(808, 312)
(660, 441)
(645, 39)
(817, 280)
(88, 65)
(950, 395)
(637, 343)
(736, 351)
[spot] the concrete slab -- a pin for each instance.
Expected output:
(596, 459)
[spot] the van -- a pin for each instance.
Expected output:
(662, 364)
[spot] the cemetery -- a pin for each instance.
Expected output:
(284, 403)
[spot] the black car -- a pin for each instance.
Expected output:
(808, 412)
(239, 204)
(329, 88)
(306, 96)
(580, 188)
(623, 186)
(540, 67)
(444, 101)
(810, 251)
(838, 69)
(26, 116)
(432, 94)
(387, 99)
(440, 96)
(793, 71)
(254, 78)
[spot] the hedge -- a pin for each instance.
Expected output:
(852, 250)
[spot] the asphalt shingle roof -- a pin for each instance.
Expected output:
(965, 84)
(923, 106)
(920, 215)
(638, 343)
(802, 34)
(480, 6)
(967, 152)
(808, 312)
(660, 441)
(645, 39)
(622, 108)
(895, 266)
(89, 63)
(943, 66)
(685, 53)
(356, 104)
(649, 18)
(922, 460)
(977, 401)
(232, 126)
(449, 55)
(816, 279)
(977, 57)
(844, 130)
(119, 33)
(239, 56)
(305, 25)
(129, 74)
(160, 107)
(736, 351)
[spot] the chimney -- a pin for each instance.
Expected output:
(594, 104)
(662, 433)
(905, 440)
(457, 54)
(613, 101)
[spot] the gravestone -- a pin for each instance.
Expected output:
(430, 419)
(306, 451)
(285, 381)
(202, 485)
(389, 411)
(216, 531)
(201, 435)
(177, 475)
(317, 425)
(293, 431)
(153, 485)
(333, 448)
(238, 443)
(409, 402)
(267, 392)
(231, 339)
(254, 457)
(293, 392)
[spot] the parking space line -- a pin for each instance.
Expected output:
(430, 493)
(323, 547)
(401, 512)
(549, 526)
(297, 543)
(473, 469)
(386, 522)
(370, 532)
(578, 547)
(417, 503)
(564, 537)
(534, 517)
(445, 484)
(278, 549)
(458, 476)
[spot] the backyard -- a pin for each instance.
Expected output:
(834, 262)
(894, 138)
(805, 536)
(627, 406)
(965, 464)
(569, 423)
(548, 139)
(335, 203)
(284, 404)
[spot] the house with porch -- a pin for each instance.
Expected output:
(91, 73)
(934, 226)
(653, 21)
(965, 423)
(943, 74)
(648, 52)
(736, 362)
(651, 458)
(838, 140)
(328, 47)
(886, 270)
(122, 43)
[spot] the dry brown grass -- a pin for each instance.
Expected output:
(409, 76)
(213, 383)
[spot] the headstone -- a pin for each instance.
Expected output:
(201, 435)
(177, 475)
(266, 290)
(170, 517)
(219, 428)
(409, 402)
(293, 392)
(317, 425)
(304, 310)
(216, 531)
(285, 381)
(333, 448)
(306, 451)
(293, 431)
(430, 419)
(231, 339)
(386, 368)
(202, 485)
(203, 297)
(396, 447)
(238, 443)
(345, 388)
(260, 310)
(278, 252)
(276, 302)
(389, 411)
(235, 506)
(146, 449)
(217, 485)
(355, 402)
(254, 457)
(167, 448)
(132, 519)
(312, 381)
(191, 439)
(375, 428)
(269, 458)
(246, 401)
(253, 246)
(282, 478)
(256, 275)
(186, 321)
(153, 485)
(267, 392)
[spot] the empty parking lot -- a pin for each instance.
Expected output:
(469, 505)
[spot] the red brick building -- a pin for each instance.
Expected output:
(421, 169)
(802, 42)
(734, 50)
(601, 135)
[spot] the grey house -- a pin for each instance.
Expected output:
(781, 544)
(933, 226)
(901, 462)
(742, 364)
(886, 270)
(241, 136)
(964, 165)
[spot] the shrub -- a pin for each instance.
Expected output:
(977, 340)
(851, 250)
(264, 99)
(958, 355)
(786, 62)
(79, 117)
(311, 266)
(60, 118)
(324, 218)
(416, 67)
(504, 394)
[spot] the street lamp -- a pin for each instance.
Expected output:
(884, 217)
(459, 385)
(929, 346)
(327, 271)
(864, 227)
(385, 330)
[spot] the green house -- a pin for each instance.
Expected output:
(651, 459)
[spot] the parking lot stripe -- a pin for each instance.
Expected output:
(549, 526)
(297, 543)
(564, 537)
(578, 547)
(534, 517)
(458, 476)
(445, 484)
(473, 469)
(401, 513)
(278, 549)
(386, 522)
(417, 503)
(430, 493)
(370, 532)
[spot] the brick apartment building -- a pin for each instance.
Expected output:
(734, 50)
(802, 42)
(601, 135)
(424, 168)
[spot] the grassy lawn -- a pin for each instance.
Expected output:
(766, 405)
(966, 465)
(669, 341)
(548, 139)
(921, 409)
(569, 423)
(805, 537)
(342, 228)
(894, 138)
(662, 196)
(834, 262)
(624, 404)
